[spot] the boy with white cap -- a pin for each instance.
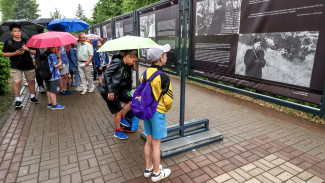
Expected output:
(156, 127)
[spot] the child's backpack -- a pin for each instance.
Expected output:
(42, 65)
(143, 104)
(133, 120)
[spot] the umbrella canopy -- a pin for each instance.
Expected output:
(92, 36)
(67, 25)
(51, 39)
(27, 29)
(127, 43)
(43, 21)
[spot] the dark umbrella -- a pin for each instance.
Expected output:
(43, 21)
(67, 25)
(27, 29)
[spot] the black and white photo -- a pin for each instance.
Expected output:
(285, 57)
(147, 25)
(119, 29)
(215, 17)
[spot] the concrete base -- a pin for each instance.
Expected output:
(183, 144)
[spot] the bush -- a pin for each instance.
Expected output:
(4, 72)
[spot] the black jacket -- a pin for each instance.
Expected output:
(254, 61)
(116, 77)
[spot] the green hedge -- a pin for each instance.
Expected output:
(4, 72)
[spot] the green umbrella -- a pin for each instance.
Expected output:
(127, 43)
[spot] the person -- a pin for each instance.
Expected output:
(117, 81)
(39, 80)
(85, 54)
(254, 60)
(53, 85)
(156, 127)
(20, 63)
(217, 19)
(73, 65)
(64, 72)
(101, 60)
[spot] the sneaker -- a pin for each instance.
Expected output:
(67, 92)
(34, 100)
(49, 106)
(57, 107)
(78, 89)
(124, 122)
(91, 89)
(18, 105)
(120, 134)
(163, 173)
(62, 93)
(83, 92)
(42, 89)
(147, 173)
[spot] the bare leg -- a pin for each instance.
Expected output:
(156, 154)
(65, 81)
(126, 108)
(53, 98)
(49, 97)
(31, 86)
(117, 120)
(61, 83)
(148, 152)
(100, 78)
(17, 85)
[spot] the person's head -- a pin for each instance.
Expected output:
(99, 44)
(74, 45)
(257, 43)
(158, 54)
(130, 57)
(15, 30)
(218, 5)
(82, 37)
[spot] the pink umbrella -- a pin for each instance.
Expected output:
(51, 39)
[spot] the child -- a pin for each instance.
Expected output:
(156, 127)
(73, 65)
(101, 61)
(117, 81)
(53, 85)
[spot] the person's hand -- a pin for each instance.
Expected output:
(110, 96)
(86, 64)
(19, 52)
(100, 68)
(25, 48)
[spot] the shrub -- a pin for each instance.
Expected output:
(4, 72)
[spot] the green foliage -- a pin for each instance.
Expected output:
(130, 5)
(4, 72)
(25, 9)
(56, 14)
(6, 9)
(80, 13)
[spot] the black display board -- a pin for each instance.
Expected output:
(269, 45)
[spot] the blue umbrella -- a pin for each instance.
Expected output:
(67, 25)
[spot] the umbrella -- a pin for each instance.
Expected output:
(43, 21)
(51, 39)
(92, 36)
(67, 25)
(127, 43)
(27, 29)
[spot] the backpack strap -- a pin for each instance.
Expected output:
(155, 74)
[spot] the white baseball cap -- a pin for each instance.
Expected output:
(155, 52)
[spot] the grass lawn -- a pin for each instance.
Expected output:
(6, 100)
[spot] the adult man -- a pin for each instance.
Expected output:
(20, 62)
(85, 54)
(254, 60)
(217, 19)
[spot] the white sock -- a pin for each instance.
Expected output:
(32, 95)
(17, 99)
(150, 169)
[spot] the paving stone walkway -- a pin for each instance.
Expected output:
(77, 144)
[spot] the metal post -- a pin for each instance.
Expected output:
(136, 32)
(183, 65)
(322, 105)
(179, 39)
(101, 30)
(92, 29)
(113, 28)
(190, 38)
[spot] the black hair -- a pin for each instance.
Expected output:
(12, 26)
(132, 53)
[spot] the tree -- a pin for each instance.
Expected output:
(106, 9)
(130, 5)
(25, 9)
(56, 14)
(80, 13)
(6, 9)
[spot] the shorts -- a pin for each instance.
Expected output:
(100, 72)
(65, 69)
(156, 126)
(114, 105)
(53, 86)
(16, 74)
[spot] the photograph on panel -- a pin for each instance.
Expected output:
(109, 31)
(147, 26)
(119, 29)
(217, 17)
(285, 57)
(97, 31)
(104, 28)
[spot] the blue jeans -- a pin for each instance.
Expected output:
(77, 78)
